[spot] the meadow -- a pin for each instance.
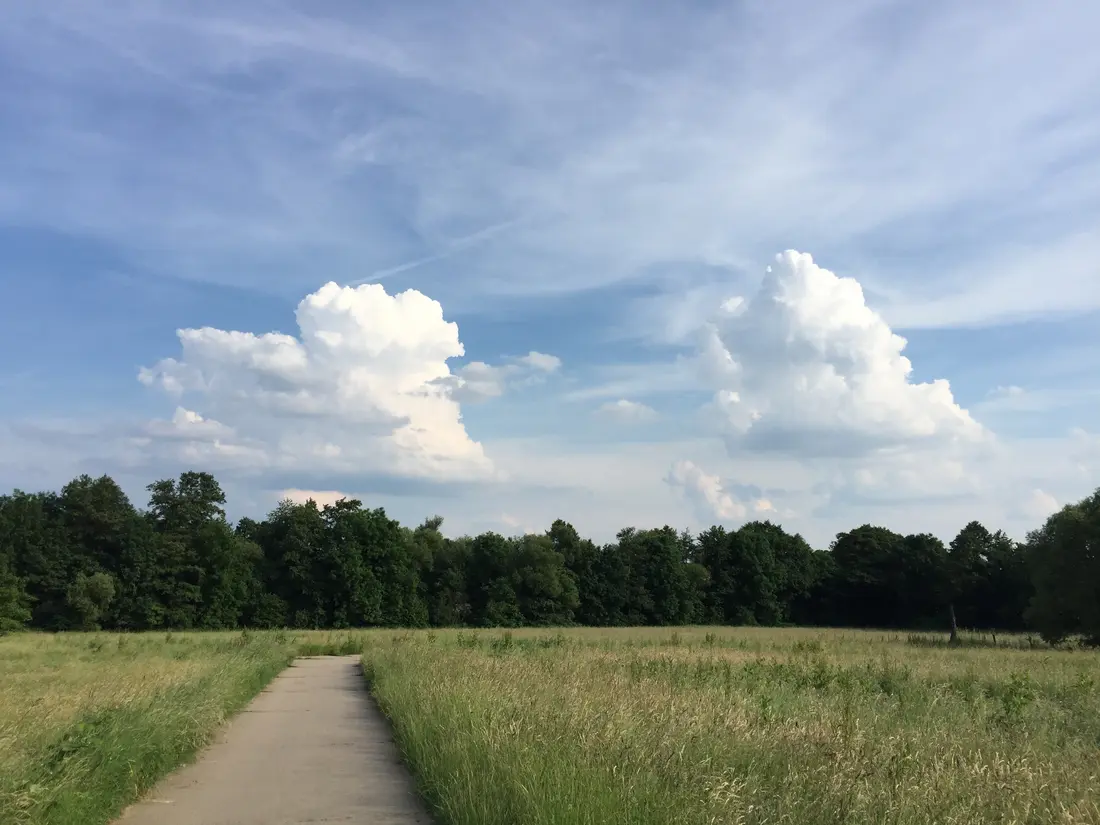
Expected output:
(654, 725)
(90, 721)
(727, 725)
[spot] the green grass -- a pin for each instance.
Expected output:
(739, 726)
(90, 721)
(637, 726)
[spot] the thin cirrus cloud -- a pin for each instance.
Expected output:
(626, 411)
(867, 132)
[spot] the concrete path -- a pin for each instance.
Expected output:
(311, 748)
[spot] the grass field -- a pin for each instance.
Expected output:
(89, 721)
(742, 726)
(707, 725)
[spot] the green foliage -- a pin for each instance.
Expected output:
(88, 598)
(182, 565)
(14, 602)
(987, 579)
(1064, 556)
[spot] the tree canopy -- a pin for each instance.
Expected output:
(86, 558)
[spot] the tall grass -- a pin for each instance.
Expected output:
(720, 726)
(89, 722)
(637, 726)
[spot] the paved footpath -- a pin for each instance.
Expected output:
(311, 748)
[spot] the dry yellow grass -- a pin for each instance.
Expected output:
(49, 681)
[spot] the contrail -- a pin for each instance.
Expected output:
(453, 248)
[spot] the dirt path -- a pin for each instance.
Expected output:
(310, 748)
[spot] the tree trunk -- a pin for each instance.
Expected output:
(954, 625)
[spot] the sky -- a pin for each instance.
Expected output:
(623, 264)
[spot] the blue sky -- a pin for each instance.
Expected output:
(573, 194)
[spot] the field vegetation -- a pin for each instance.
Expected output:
(650, 720)
(632, 725)
(90, 721)
(743, 726)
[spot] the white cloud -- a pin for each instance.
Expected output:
(1086, 453)
(625, 410)
(710, 496)
(356, 391)
(800, 120)
(580, 163)
(900, 476)
(540, 361)
(187, 425)
(1040, 504)
(807, 366)
(1003, 287)
(613, 381)
(517, 525)
(478, 381)
(1010, 391)
(322, 497)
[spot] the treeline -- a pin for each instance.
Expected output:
(86, 558)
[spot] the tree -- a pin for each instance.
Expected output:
(14, 601)
(1064, 556)
(86, 558)
(392, 569)
(921, 581)
(97, 518)
(965, 562)
(202, 568)
(492, 592)
(89, 597)
(1007, 590)
(423, 544)
(314, 564)
(448, 595)
(656, 581)
(755, 574)
(32, 535)
(545, 589)
(866, 576)
(818, 604)
(720, 602)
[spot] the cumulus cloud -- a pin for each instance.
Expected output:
(478, 381)
(710, 496)
(357, 391)
(626, 411)
(187, 425)
(540, 361)
(805, 365)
